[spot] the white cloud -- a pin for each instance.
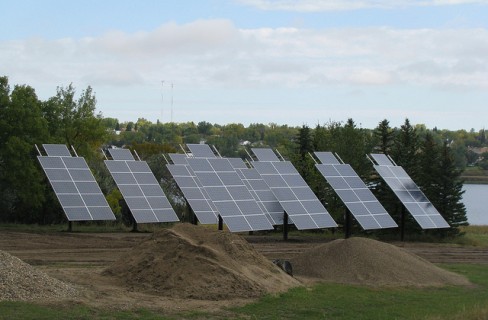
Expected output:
(344, 5)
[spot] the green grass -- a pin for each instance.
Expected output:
(334, 301)
(321, 301)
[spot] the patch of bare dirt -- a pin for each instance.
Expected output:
(194, 262)
(370, 262)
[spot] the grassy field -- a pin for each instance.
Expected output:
(321, 301)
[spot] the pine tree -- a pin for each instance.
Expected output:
(450, 191)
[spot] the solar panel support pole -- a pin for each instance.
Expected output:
(221, 223)
(70, 226)
(285, 226)
(402, 224)
(347, 224)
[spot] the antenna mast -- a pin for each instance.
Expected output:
(172, 102)
(162, 99)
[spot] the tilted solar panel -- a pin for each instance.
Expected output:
(294, 195)
(201, 150)
(140, 189)
(236, 206)
(259, 190)
(265, 154)
(74, 186)
(409, 194)
(357, 197)
(197, 198)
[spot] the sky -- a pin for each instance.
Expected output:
(257, 61)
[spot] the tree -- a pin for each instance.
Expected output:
(74, 122)
(450, 191)
(383, 135)
(21, 179)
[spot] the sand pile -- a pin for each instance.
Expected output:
(196, 262)
(370, 262)
(21, 281)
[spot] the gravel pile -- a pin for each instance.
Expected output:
(21, 281)
(370, 262)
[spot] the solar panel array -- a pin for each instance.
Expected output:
(260, 191)
(140, 189)
(236, 206)
(74, 185)
(360, 201)
(197, 197)
(294, 195)
(409, 193)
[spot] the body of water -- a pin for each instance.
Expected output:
(475, 200)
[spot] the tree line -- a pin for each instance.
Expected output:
(434, 158)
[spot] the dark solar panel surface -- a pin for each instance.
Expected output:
(259, 190)
(409, 194)
(197, 197)
(140, 189)
(294, 195)
(357, 197)
(265, 154)
(201, 150)
(236, 206)
(75, 187)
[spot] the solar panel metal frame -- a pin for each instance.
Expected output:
(74, 185)
(260, 191)
(354, 193)
(236, 206)
(140, 189)
(284, 181)
(194, 193)
(409, 194)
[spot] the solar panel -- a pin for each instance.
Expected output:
(56, 150)
(178, 158)
(360, 201)
(201, 150)
(74, 186)
(121, 154)
(259, 190)
(236, 206)
(326, 157)
(381, 159)
(197, 197)
(140, 189)
(265, 154)
(409, 194)
(294, 195)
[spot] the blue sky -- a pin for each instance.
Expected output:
(258, 61)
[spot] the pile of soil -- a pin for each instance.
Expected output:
(370, 262)
(196, 262)
(21, 281)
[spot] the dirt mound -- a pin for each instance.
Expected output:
(370, 262)
(21, 281)
(195, 262)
